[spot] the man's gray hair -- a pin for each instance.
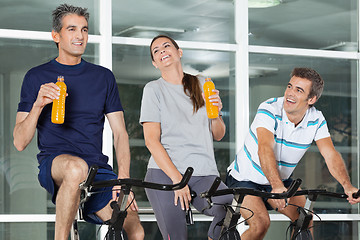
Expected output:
(63, 10)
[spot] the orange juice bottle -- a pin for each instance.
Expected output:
(58, 107)
(212, 110)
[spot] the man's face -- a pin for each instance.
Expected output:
(296, 96)
(73, 36)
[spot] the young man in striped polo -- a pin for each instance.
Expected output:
(281, 133)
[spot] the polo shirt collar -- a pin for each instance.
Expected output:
(303, 122)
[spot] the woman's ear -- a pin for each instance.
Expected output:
(180, 52)
(154, 63)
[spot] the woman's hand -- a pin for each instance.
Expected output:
(215, 99)
(183, 195)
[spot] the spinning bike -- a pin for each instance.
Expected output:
(115, 224)
(228, 229)
(300, 227)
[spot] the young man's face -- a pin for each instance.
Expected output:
(73, 36)
(296, 96)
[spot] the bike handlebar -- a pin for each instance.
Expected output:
(356, 195)
(248, 191)
(323, 192)
(134, 182)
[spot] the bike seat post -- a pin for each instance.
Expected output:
(233, 213)
(123, 197)
(119, 214)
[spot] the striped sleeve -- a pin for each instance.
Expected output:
(265, 117)
(322, 128)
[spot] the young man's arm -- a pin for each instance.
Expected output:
(25, 125)
(337, 167)
(268, 163)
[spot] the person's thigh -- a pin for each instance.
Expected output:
(255, 213)
(217, 210)
(202, 184)
(170, 218)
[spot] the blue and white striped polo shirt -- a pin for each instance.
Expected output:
(291, 142)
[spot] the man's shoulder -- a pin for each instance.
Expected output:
(314, 113)
(40, 68)
(273, 105)
(97, 67)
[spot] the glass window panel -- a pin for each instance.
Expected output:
(208, 20)
(269, 75)
(44, 231)
(36, 15)
(314, 24)
(133, 69)
(20, 190)
(87, 231)
(322, 230)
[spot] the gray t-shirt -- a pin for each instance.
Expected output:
(185, 135)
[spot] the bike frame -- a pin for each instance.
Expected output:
(301, 227)
(233, 212)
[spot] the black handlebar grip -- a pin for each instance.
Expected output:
(214, 187)
(187, 175)
(356, 195)
(91, 175)
(294, 187)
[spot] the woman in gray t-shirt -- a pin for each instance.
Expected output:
(179, 135)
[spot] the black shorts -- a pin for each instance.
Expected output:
(233, 183)
(95, 203)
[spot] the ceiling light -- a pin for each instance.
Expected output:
(144, 30)
(263, 3)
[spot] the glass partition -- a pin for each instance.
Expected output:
(313, 24)
(208, 21)
(36, 15)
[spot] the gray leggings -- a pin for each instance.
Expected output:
(170, 218)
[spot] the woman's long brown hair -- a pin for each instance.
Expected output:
(190, 82)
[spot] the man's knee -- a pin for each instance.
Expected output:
(69, 168)
(259, 227)
(133, 227)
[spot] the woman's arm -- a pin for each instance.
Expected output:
(217, 124)
(152, 135)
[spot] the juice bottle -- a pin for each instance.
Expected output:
(212, 110)
(58, 107)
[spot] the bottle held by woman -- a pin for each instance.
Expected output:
(212, 110)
